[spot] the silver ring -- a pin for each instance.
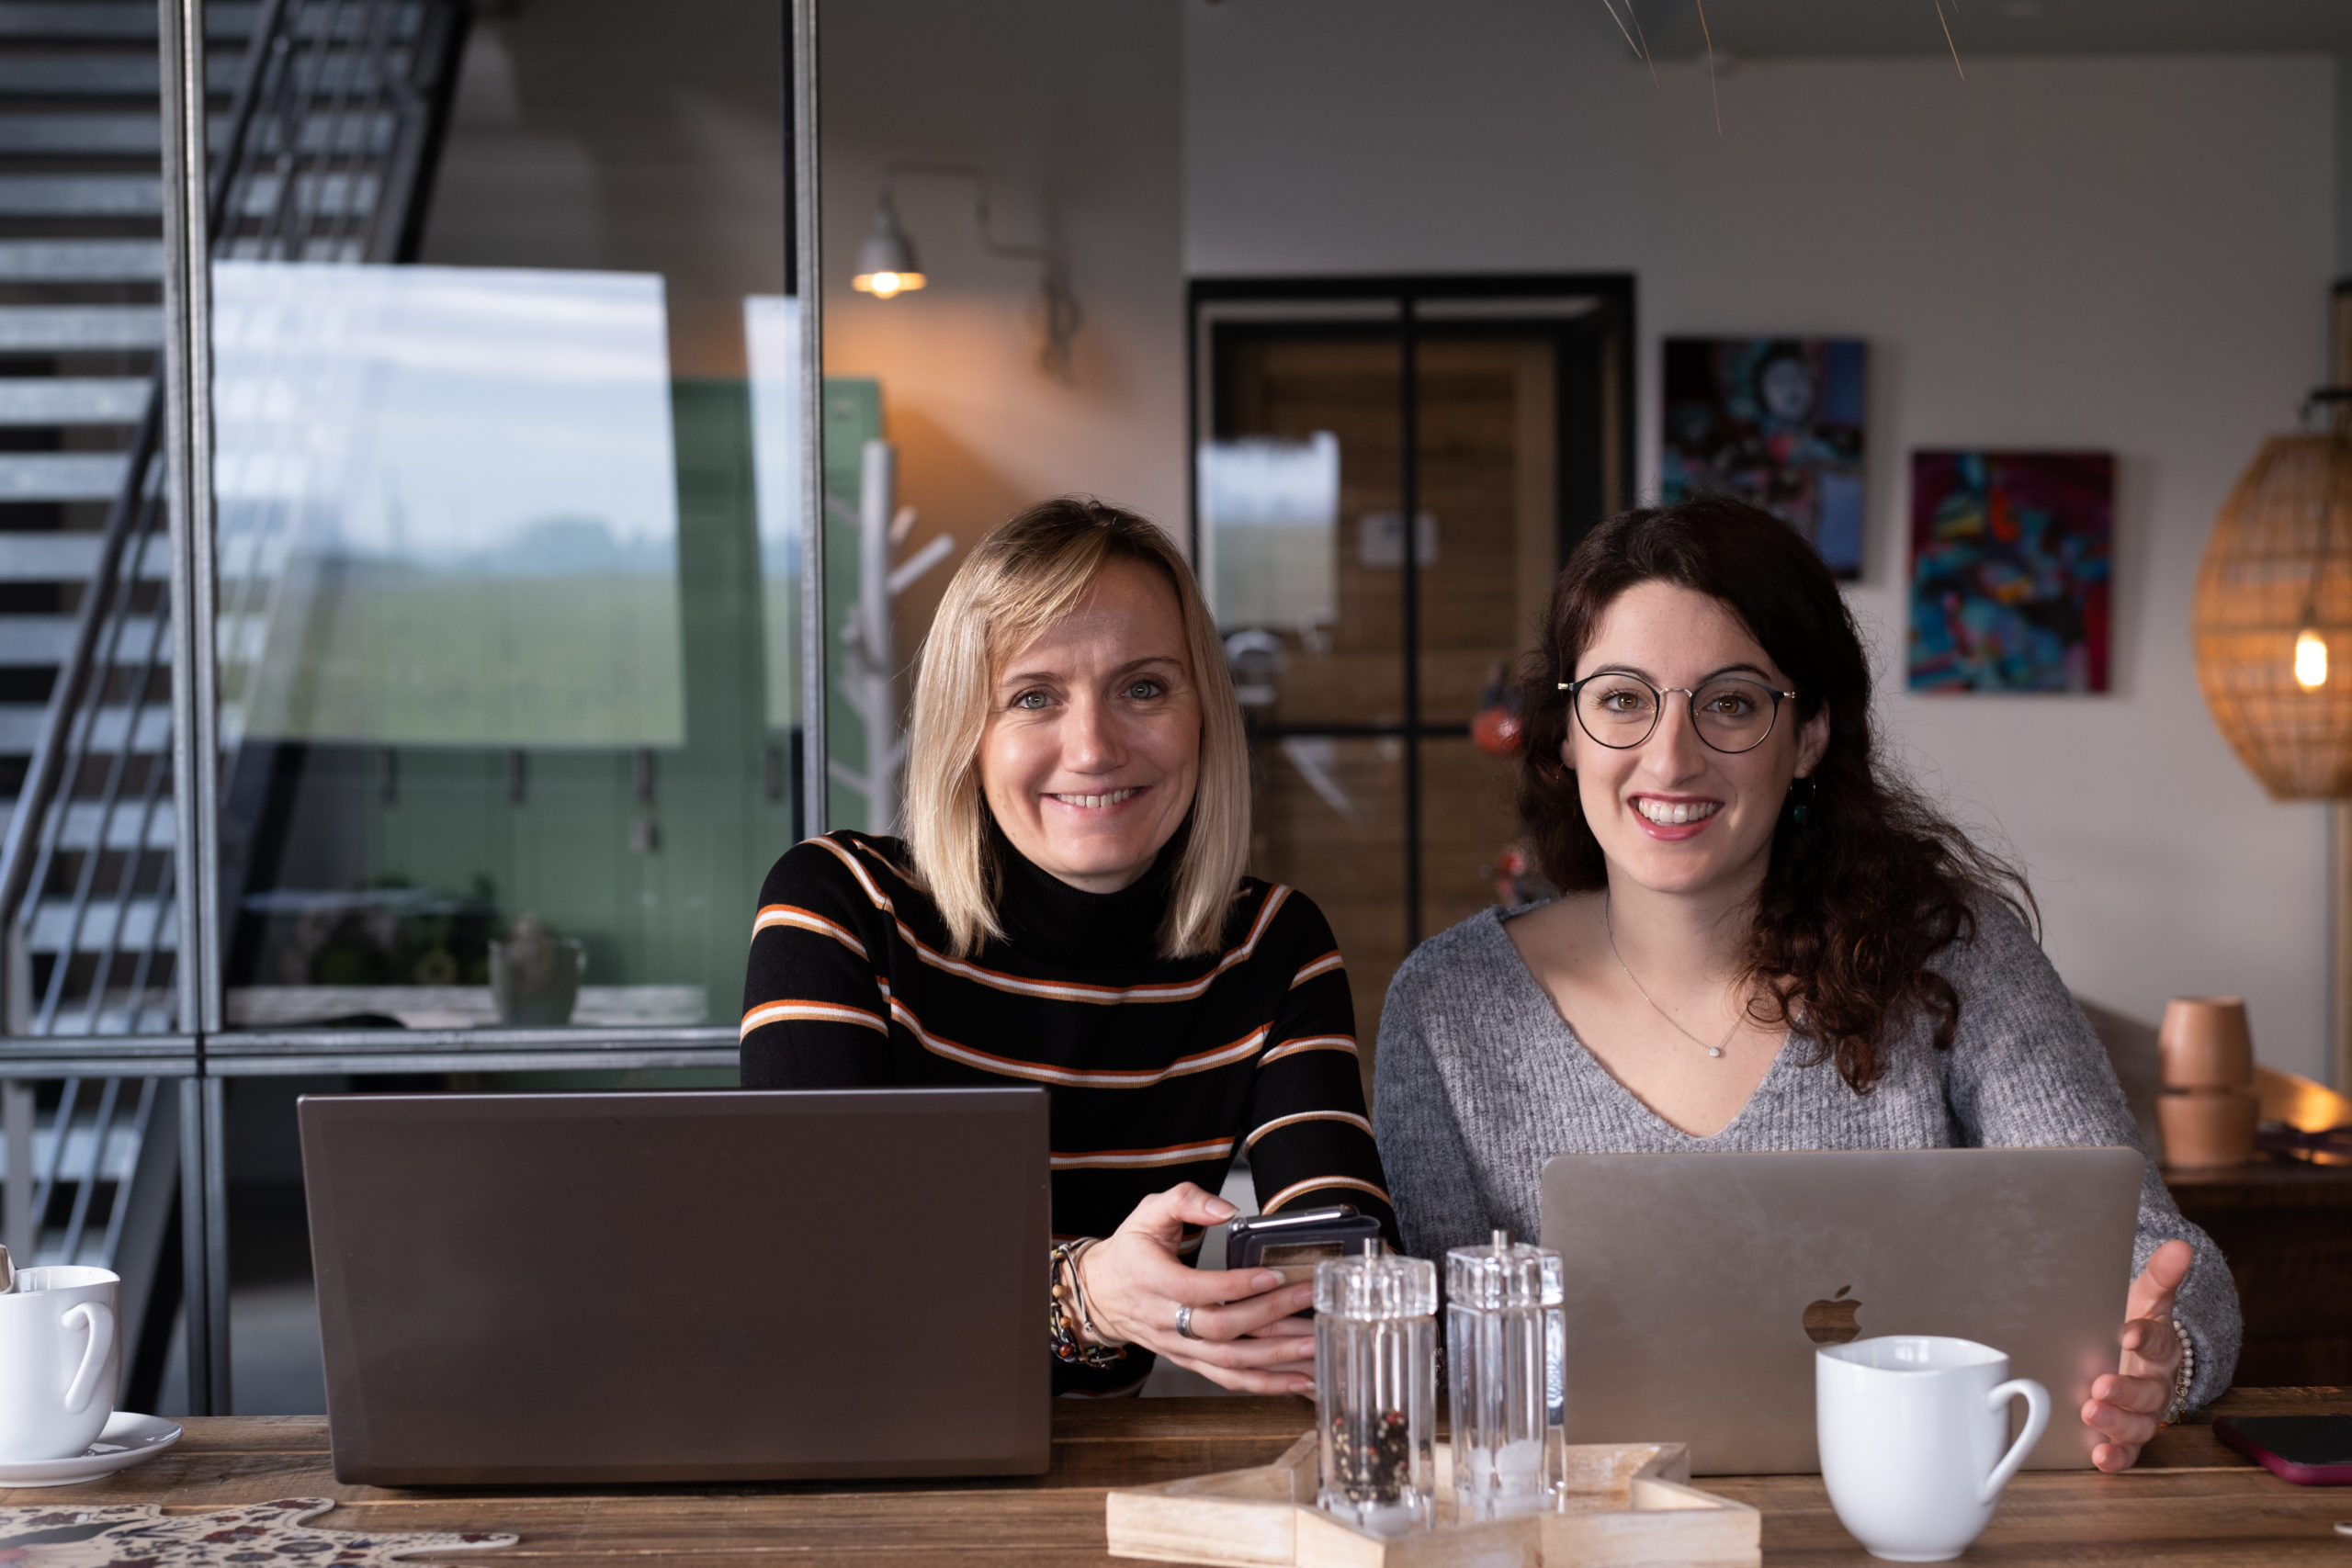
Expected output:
(1184, 1323)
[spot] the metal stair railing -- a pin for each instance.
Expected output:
(92, 1162)
(324, 157)
(343, 181)
(71, 725)
(82, 1148)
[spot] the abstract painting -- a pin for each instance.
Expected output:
(2009, 571)
(1776, 422)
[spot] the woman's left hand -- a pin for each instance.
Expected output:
(2127, 1405)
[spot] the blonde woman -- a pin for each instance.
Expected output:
(1069, 908)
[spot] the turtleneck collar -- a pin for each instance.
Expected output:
(1046, 919)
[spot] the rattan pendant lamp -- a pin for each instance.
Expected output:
(2272, 618)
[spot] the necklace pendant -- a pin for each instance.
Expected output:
(1714, 1050)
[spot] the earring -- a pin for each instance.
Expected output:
(1800, 805)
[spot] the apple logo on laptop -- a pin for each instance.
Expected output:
(1831, 1322)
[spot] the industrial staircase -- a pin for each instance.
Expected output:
(81, 259)
(324, 118)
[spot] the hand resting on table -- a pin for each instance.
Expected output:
(2127, 1405)
(1249, 1336)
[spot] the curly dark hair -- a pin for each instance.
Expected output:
(1862, 892)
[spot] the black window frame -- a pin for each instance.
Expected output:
(1606, 331)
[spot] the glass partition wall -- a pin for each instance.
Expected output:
(442, 582)
(498, 740)
(413, 700)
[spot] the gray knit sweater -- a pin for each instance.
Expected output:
(1478, 1082)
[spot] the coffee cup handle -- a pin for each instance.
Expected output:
(2037, 1421)
(98, 1318)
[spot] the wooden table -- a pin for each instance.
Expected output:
(2194, 1502)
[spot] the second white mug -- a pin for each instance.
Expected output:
(1914, 1434)
(61, 1360)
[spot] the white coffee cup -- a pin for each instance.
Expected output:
(61, 1361)
(1912, 1431)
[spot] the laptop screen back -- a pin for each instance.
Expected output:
(682, 1286)
(1700, 1285)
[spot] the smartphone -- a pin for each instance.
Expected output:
(1292, 1245)
(2310, 1451)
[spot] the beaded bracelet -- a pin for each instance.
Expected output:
(1064, 1324)
(2183, 1377)
(1078, 1289)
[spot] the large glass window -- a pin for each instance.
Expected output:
(508, 517)
(507, 426)
(96, 995)
(444, 739)
(1020, 164)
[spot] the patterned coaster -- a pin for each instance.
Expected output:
(139, 1535)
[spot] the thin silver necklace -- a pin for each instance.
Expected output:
(1611, 927)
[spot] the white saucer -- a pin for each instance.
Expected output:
(126, 1439)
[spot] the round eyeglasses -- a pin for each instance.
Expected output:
(1731, 713)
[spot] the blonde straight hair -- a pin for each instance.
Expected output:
(1019, 581)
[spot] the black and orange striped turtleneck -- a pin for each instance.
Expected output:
(1159, 1070)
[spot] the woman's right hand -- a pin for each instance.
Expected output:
(1247, 1335)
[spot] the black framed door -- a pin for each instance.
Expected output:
(1389, 473)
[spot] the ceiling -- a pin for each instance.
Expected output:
(1761, 28)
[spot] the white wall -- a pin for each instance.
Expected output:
(1071, 108)
(2132, 254)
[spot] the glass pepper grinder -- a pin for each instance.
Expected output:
(1505, 1339)
(1375, 1388)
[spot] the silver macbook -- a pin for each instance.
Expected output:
(1700, 1285)
(680, 1287)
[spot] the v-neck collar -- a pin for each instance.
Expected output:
(1532, 994)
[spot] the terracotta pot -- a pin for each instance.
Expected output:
(2205, 1044)
(2207, 1127)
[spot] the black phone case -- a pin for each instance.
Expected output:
(1246, 1250)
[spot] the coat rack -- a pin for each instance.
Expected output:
(866, 678)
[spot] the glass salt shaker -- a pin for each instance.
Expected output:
(1505, 1339)
(1375, 1388)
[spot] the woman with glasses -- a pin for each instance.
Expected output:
(1763, 941)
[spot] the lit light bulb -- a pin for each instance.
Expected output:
(2310, 661)
(886, 285)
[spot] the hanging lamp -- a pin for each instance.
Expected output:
(2272, 618)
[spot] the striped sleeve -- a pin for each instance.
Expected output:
(815, 1011)
(1307, 1136)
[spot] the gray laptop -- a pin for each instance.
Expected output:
(1700, 1285)
(680, 1287)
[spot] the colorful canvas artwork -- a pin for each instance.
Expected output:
(1776, 422)
(2009, 571)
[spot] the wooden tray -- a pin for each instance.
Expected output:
(1628, 1504)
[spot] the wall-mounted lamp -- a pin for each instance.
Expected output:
(887, 265)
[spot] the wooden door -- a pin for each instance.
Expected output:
(1361, 670)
